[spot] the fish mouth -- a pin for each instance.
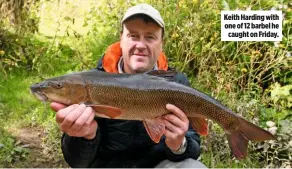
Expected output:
(41, 96)
(35, 89)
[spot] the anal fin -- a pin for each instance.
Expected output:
(200, 124)
(238, 144)
(155, 128)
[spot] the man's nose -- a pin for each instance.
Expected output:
(140, 45)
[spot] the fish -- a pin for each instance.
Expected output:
(144, 97)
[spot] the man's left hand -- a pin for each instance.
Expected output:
(176, 127)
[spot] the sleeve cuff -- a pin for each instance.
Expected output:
(182, 147)
(192, 151)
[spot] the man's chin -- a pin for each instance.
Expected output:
(140, 70)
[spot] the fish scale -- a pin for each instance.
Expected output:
(144, 97)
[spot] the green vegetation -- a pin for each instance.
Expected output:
(57, 37)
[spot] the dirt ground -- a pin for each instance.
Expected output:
(31, 138)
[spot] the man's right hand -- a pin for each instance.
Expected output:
(76, 120)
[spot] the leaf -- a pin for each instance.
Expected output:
(67, 18)
(225, 5)
(18, 149)
(9, 159)
(286, 126)
(18, 142)
(279, 91)
(85, 24)
(1, 145)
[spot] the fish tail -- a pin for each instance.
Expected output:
(238, 139)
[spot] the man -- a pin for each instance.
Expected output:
(99, 142)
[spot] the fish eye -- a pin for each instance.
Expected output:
(55, 85)
(59, 85)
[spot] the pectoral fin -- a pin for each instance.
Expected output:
(106, 110)
(155, 128)
(200, 124)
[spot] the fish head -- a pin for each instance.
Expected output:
(65, 89)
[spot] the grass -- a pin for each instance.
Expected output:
(17, 104)
(15, 95)
(19, 109)
(215, 161)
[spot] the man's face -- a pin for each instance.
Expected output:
(141, 45)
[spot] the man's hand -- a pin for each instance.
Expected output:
(176, 127)
(76, 120)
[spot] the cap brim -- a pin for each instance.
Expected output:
(130, 15)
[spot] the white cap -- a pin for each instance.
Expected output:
(144, 9)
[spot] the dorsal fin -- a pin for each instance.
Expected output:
(168, 75)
